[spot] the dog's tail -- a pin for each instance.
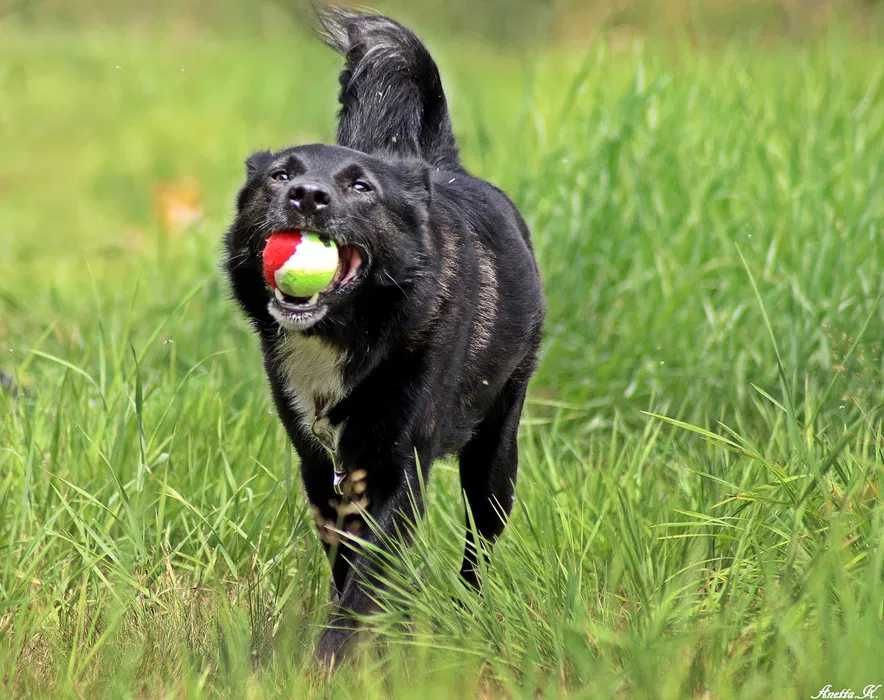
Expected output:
(391, 94)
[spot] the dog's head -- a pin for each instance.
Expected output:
(373, 209)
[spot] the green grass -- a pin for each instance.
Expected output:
(699, 509)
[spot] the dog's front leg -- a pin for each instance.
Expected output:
(390, 507)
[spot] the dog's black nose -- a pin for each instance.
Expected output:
(309, 197)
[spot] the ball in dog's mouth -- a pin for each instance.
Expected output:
(305, 270)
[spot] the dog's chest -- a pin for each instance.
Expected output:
(312, 370)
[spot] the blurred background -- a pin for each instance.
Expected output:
(506, 23)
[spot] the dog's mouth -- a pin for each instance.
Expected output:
(299, 313)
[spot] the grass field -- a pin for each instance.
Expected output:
(699, 509)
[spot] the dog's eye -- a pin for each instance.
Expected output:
(279, 175)
(361, 186)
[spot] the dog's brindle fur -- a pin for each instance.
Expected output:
(429, 351)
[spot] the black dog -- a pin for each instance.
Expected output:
(423, 344)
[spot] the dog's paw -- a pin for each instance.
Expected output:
(333, 647)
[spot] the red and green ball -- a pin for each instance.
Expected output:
(299, 264)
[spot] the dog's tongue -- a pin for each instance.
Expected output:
(280, 247)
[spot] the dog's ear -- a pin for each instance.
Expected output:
(257, 162)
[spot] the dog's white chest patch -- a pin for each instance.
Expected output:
(313, 373)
